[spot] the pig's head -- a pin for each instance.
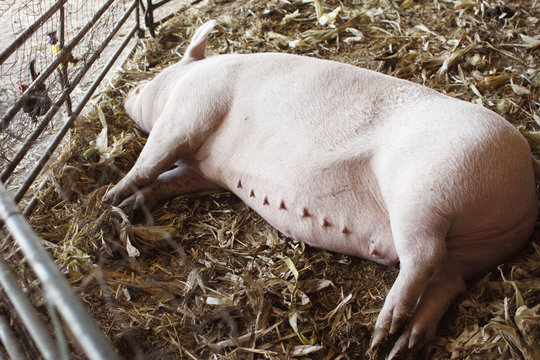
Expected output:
(141, 103)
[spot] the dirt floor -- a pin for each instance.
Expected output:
(210, 279)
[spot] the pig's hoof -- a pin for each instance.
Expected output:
(389, 322)
(397, 323)
(399, 349)
(138, 206)
(378, 336)
(409, 342)
(394, 319)
(117, 194)
(407, 345)
(112, 197)
(401, 346)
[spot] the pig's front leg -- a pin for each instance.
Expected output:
(155, 159)
(168, 143)
(178, 181)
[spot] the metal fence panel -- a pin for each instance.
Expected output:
(48, 75)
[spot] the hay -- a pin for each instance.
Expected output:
(209, 278)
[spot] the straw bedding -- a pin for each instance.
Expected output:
(208, 278)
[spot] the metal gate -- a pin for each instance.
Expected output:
(49, 72)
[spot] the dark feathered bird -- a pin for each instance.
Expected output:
(37, 102)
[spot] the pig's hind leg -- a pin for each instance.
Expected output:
(178, 181)
(444, 286)
(420, 243)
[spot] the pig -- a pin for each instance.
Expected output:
(344, 159)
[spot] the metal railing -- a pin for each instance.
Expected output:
(56, 291)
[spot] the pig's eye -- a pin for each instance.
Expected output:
(137, 89)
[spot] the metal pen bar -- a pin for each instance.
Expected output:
(10, 341)
(45, 73)
(163, 19)
(67, 125)
(26, 311)
(62, 72)
(30, 30)
(160, 3)
(57, 290)
(61, 340)
(149, 18)
(170, 16)
(137, 15)
(4, 176)
(32, 204)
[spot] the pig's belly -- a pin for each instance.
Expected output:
(337, 208)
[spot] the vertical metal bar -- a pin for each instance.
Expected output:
(56, 289)
(140, 30)
(149, 18)
(62, 70)
(137, 15)
(32, 204)
(28, 314)
(10, 341)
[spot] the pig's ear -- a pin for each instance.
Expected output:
(195, 50)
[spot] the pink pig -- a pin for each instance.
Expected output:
(344, 159)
